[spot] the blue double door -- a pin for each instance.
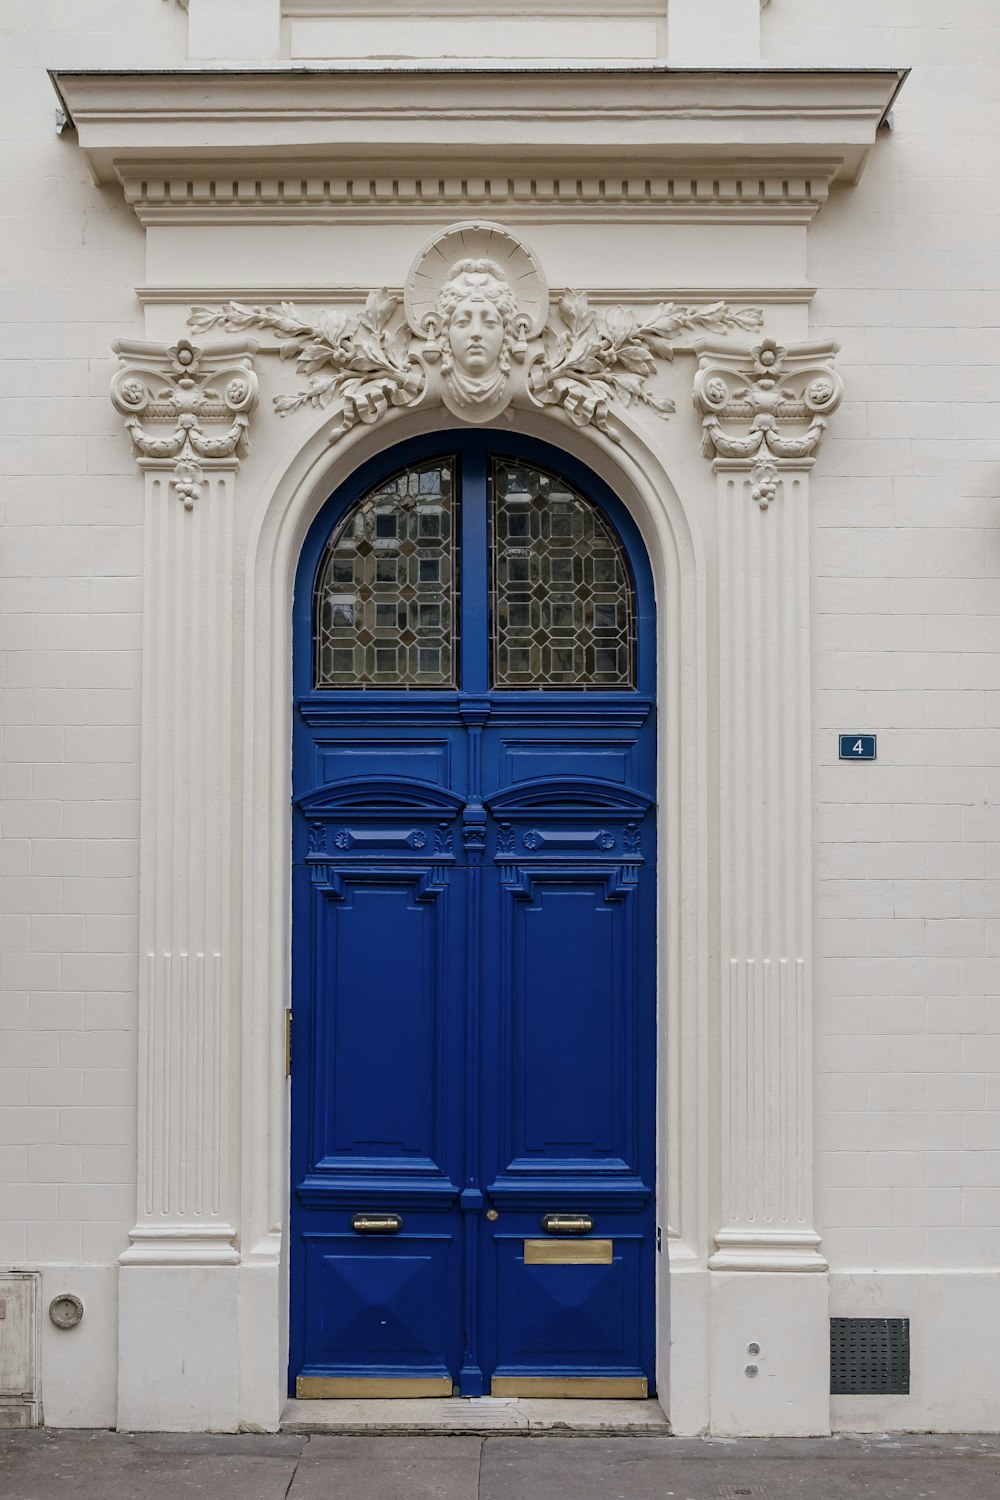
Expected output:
(473, 1028)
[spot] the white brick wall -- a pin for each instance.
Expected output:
(906, 549)
(70, 595)
(906, 565)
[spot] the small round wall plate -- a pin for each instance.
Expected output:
(65, 1310)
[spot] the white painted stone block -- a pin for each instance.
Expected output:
(952, 1350)
(263, 1336)
(721, 33)
(787, 1316)
(524, 37)
(249, 29)
(686, 1376)
(79, 1365)
(178, 1348)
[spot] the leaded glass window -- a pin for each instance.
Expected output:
(562, 603)
(386, 608)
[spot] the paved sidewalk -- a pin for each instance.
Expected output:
(52, 1465)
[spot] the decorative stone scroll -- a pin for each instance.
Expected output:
(475, 332)
(766, 406)
(199, 399)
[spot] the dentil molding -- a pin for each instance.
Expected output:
(185, 406)
(253, 193)
(475, 332)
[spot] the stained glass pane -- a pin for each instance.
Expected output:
(562, 606)
(386, 608)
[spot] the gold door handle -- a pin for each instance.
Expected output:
(567, 1223)
(377, 1223)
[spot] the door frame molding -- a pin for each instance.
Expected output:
(638, 476)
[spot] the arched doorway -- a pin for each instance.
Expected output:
(473, 1115)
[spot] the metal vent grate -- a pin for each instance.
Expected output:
(869, 1356)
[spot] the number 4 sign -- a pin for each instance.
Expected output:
(857, 747)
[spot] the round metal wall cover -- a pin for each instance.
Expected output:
(66, 1310)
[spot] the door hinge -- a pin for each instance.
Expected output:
(288, 1044)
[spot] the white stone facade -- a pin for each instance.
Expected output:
(851, 584)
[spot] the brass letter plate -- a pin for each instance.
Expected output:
(568, 1252)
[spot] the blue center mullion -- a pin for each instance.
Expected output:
(474, 570)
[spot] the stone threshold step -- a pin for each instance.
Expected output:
(485, 1414)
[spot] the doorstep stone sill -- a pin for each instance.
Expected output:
(483, 1415)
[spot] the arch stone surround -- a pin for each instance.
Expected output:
(719, 490)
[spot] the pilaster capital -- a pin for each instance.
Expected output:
(765, 408)
(186, 406)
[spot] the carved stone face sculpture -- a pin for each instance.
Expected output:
(476, 336)
(476, 308)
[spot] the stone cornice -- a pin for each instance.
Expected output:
(802, 129)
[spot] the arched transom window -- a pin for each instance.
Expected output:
(442, 542)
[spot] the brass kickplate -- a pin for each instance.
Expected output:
(572, 1387)
(568, 1252)
(376, 1387)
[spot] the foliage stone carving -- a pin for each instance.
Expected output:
(475, 334)
(586, 365)
(355, 361)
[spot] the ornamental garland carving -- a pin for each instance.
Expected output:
(475, 331)
(766, 406)
(185, 405)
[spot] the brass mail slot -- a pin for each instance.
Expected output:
(568, 1252)
(377, 1223)
(567, 1223)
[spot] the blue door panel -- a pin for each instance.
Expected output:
(570, 1316)
(564, 1022)
(474, 918)
(527, 760)
(372, 1099)
(377, 1305)
(424, 760)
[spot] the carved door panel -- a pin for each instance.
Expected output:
(473, 937)
(379, 1125)
(569, 998)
